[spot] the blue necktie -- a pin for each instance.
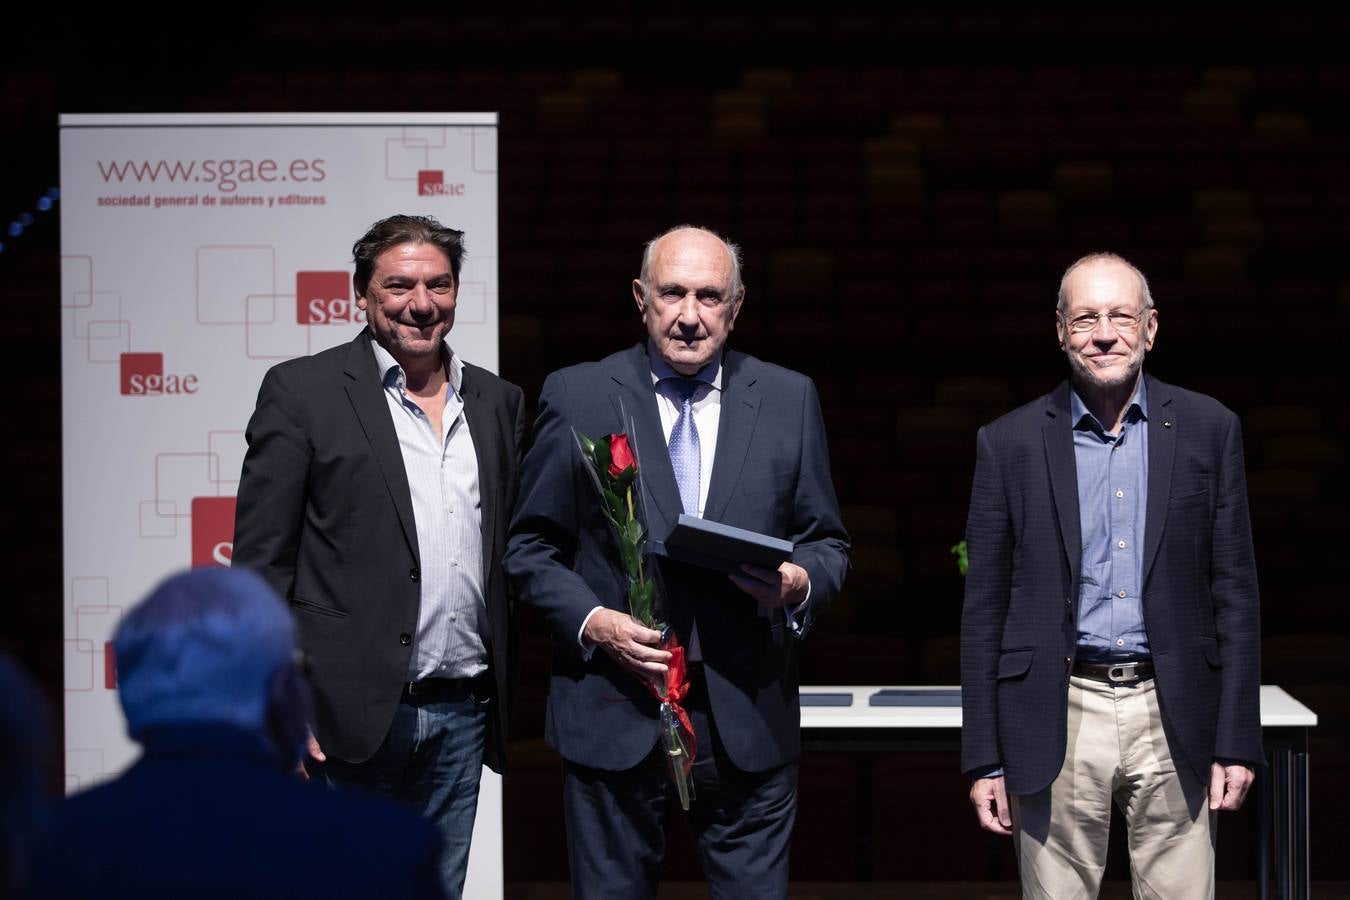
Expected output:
(684, 453)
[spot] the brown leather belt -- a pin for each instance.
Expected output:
(1115, 673)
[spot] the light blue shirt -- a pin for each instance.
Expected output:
(442, 474)
(1112, 498)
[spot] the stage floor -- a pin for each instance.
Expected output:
(913, 890)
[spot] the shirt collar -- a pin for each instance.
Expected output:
(1136, 410)
(709, 374)
(392, 373)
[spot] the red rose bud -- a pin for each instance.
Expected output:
(620, 455)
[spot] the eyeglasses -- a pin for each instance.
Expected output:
(1120, 321)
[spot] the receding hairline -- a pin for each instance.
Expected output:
(1062, 299)
(733, 251)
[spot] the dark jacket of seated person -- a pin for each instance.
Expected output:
(213, 807)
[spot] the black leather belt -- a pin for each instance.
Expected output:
(431, 690)
(1115, 673)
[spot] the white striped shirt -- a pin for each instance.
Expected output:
(443, 480)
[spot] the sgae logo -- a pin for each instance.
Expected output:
(212, 531)
(143, 375)
(325, 298)
(431, 183)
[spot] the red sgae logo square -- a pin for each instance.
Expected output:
(137, 369)
(212, 531)
(109, 667)
(322, 297)
(430, 182)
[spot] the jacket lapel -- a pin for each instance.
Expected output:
(367, 397)
(1162, 438)
(479, 415)
(735, 425)
(1058, 435)
(634, 401)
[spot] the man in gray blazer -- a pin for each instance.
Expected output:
(1110, 638)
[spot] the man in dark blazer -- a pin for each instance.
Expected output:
(1110, 638)
(206, 675)
(375, 497)
(749, 441)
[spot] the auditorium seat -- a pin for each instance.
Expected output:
(1283, 487)
(1212, 106)
(986, 396)
(1084, 181)
(309, 90)
(1026, 213)
(367, 90)
(870, 526)
(1240, 79)
(1271, 420)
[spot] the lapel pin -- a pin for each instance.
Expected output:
(1167, 423)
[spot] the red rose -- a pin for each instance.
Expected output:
(620, 455)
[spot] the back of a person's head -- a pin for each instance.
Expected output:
(202, 648)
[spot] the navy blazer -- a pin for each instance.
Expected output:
(208, 813)
(770, 474)
(325, 514)
(1200, 601)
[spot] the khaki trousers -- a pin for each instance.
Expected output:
(1116, 751)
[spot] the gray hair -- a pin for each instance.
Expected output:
(202, 647)
(733, 253)
(1104, 256)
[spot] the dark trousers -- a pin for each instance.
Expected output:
(740, 821)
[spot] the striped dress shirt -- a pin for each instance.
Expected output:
(443, 480)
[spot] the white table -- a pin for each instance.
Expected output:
(932, 721)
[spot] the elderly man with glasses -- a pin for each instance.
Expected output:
(1110, 637)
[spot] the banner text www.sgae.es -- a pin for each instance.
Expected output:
(225, 174)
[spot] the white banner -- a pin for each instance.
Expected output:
(198, 251)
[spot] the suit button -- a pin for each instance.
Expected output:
(405, 639)
(1068, 661)
(415, 574)
(1068, 600)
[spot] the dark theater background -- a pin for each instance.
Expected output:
(907, 186)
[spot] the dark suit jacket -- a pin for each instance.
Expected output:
(1201, 610)
(324, 513)
(208, 813)
(770, 474)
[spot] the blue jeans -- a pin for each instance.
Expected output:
(431, 760)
